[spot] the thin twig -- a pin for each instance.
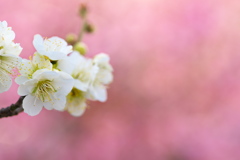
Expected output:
(13, 109)
(80, 34)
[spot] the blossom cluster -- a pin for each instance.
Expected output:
(55, 77)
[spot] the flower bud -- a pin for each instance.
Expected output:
(81, 48)
(83, 10)
(89, 28)
(71, 38)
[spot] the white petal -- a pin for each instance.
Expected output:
(54, 48)
(81, 85)
(59, 103)
(5, 81)
(65, 79)
(21, 79)
(23, 90)
(9, 62)
(25, 67)
(3, 24)
(38, 43)
(12, 48)
(57, 44)
(41, 61)
(47, 105)
(65, 65)
(6, 32)
(99, 93)
(55, 55)
(67, 49)
(31, 105)
(45, 74)
(56, 40)
(76, 58)
(77, 110)
(28, 86)
(101, 58)
(105, 77)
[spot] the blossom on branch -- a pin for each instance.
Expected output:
(46, 89)
(83, 73)
(91, 78)
(40, 81)
(55, 77)
(76, 102)
(54, 48)
(28, 67)
(9, 56)
(97, 88)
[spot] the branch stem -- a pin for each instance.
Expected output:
(13, 109)
(82, 30)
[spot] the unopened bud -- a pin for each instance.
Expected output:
(81, 48)
(71, 38)
(83, 10)
(89, 28)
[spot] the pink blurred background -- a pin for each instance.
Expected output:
(176, 89)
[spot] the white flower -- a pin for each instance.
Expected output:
(97, 91)
(7, 64)
(46, 89)
(76, 102)
(54, 48)
(9, 59)
(11, 48)
(6, 33)
(65, 65)
(97, 88)
(28, 67)
(7, 46)
(83, 73)
(104, 74)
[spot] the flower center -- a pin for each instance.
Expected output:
(8, 63)
(76, 97)
(44, 90)
(83, 76)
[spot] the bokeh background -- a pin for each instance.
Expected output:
(176, 89)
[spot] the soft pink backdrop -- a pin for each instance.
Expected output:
(176, 89)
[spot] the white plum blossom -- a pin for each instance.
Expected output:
(76, 102)
(11, 48)
(7, 64)
(46, 89)
(84, 73)
(91, 78)
(97, 88)
(7, 46)
(104, 74)
(9, 59)
(54, 48)
(6, 33)
(66, 65)
(54, 77)
(28, 67)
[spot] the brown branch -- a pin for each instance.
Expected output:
(13, 109)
